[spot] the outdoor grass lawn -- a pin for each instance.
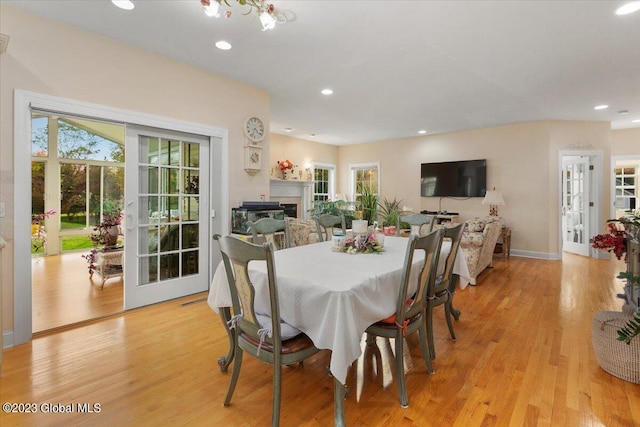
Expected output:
(72, 243)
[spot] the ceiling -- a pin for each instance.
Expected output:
(397, 67)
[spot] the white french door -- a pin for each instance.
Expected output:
(166, 222)
(575, 205)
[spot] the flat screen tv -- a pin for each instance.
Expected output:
(467, 178)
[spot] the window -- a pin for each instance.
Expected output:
(626, 192)
(324, 182)
(365, 175)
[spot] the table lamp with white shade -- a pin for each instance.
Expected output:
(494, 199)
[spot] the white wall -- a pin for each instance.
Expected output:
(522, 163)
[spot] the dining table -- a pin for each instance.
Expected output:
(331, 296)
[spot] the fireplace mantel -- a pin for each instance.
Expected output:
(294, 189)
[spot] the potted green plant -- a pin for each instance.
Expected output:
(389, 212)
(368, 203)
(337, 207)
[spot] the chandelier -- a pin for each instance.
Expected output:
(266, 12)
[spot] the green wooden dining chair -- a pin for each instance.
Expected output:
(420, 223)
(267, 338)
(326, 223)
(268, 227)
(443, 288)
(410, 308)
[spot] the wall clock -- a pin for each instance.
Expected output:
(254, 130)
(252, 159)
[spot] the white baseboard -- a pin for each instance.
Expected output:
(534, 254)
(7, 339)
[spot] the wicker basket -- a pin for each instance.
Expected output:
(615, 357)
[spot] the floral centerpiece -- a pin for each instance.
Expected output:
(285, 167)
(362, 244)
(38, 231)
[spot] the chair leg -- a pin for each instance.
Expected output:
(429, 322)
(454, 311)
(402, 388)
(237, 364)
(277, 391)
(225, 361)
(422, 332)
(448, 314)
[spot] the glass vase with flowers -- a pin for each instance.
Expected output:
(286, 167)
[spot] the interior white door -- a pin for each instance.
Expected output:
(166, 221)
(575, 204)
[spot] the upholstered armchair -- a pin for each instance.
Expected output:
(478, 242)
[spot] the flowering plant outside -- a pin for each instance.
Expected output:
(614, 241)
(38, 231)
(362, 244)
(37, 219)
(285, 165)
(103, 235)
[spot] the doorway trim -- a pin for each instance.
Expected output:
(23, 102)
(595, 217)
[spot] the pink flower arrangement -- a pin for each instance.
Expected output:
(362, 244)
(285, 165)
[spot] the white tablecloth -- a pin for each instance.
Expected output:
(331, 296)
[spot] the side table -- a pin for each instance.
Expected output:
(504, 246)
(108, 264)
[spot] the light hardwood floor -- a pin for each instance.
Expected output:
(63, 293)
(523, 357)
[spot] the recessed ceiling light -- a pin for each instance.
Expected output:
(326, 92)
(124, 4)
(422, 132)
(628, 8)
(288, 129)
(223, 45)
(635, 121)
(623, 112)
(601, 107)
(312, 135)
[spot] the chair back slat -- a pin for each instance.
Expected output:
(455, 234)
(268, 227)
(430, 244)
(326, 223)
(236, 255)
(420, 223)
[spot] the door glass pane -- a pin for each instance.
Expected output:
(190, 263)
(169, 196)
(191, 155)
(169, 266)
(190, 208)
